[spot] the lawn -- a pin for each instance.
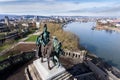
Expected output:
(5, 56)
(5, 47)
(32, 38)
(18, 49)
(10, 43)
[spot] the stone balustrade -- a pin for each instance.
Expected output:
(77, 55)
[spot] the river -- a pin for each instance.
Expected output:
(104, 44)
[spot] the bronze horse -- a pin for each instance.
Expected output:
(49, 52)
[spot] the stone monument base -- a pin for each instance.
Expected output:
(44, 72)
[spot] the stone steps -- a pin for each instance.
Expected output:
(32, 74)
(64, 76)
(26, 74)
(35, 72)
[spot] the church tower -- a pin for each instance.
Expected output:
(7, 21)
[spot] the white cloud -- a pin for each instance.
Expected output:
(7, 0)
(49, 0)
(58, 8)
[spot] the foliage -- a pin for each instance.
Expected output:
(11, 53)
(5, 47)
(7, 44)
(2, 35)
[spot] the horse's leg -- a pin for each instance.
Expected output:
(48, 60)
(41, 59)
(54, 60)
(58, 61)
(37, 52)
(42, 52)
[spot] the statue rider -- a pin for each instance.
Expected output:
(45, 36)
(43, 39)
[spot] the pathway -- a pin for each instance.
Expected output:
(15, 44)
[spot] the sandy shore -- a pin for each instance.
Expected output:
(107, 28)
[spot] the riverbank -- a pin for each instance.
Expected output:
(104, 44)
(100, 45)
(106, 27)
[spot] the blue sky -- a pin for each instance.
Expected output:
(61, 7)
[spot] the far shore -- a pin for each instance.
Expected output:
(107, 28)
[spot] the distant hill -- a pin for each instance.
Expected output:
(25, 16)
(10, 16)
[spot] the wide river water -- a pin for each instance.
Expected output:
(105, 44)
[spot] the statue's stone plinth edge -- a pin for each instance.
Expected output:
(40, 71)
(44, 72)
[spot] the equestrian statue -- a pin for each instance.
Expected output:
(49, 48)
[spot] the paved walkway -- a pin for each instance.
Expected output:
(15, 44)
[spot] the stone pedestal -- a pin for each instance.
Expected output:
(44, 72)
